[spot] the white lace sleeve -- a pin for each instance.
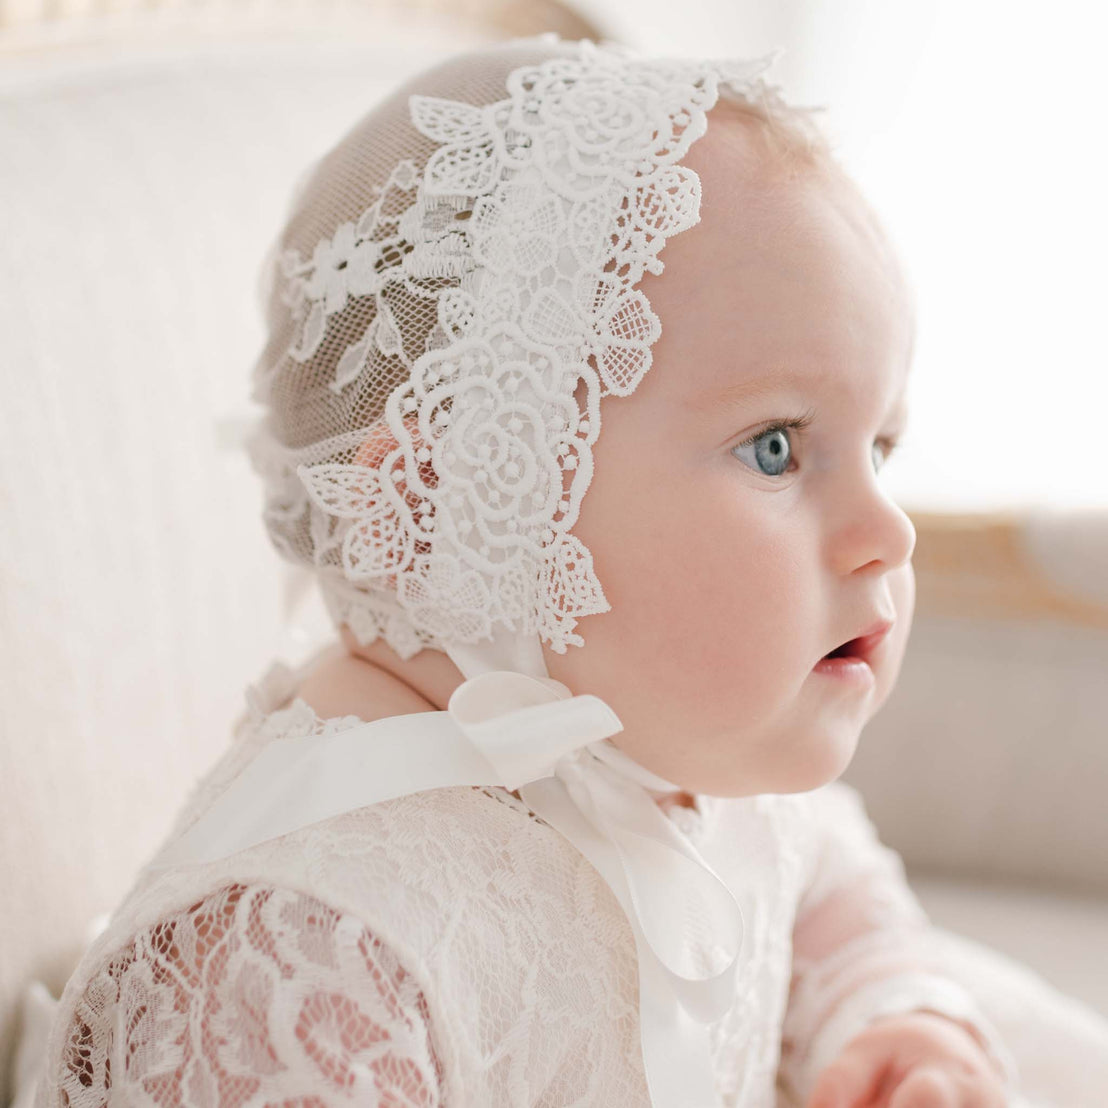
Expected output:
(860, 948)
(255, 996)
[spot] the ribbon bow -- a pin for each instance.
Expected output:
(532, 735)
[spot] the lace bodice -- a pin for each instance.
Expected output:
(451, 948)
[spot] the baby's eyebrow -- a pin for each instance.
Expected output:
(900, 413)
(753, 388)
(765, 384)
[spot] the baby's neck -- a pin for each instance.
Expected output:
(338, 682)
(347, 679)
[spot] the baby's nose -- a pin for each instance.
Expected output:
(874, 531)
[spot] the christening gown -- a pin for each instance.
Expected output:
(450, 948)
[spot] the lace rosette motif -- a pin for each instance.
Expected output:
(543, 210)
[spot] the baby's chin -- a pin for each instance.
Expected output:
(801, 764)
(830, 751)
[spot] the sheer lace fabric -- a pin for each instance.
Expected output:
(254, 995)
(451, 948)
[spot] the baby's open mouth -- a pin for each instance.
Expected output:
(861, 647)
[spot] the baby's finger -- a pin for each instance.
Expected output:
(926, 1087)
(851, 1081)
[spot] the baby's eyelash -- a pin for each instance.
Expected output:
(888, 443)
(798, 423)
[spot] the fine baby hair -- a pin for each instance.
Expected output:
(453, 295)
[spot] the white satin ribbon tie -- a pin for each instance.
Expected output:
(531, 735)
(532, 729)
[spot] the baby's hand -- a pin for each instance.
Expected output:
(917, 1060)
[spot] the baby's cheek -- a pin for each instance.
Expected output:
(752, 615)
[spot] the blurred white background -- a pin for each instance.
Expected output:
(975, 128)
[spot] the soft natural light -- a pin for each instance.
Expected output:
(992, 176)
(975, 128)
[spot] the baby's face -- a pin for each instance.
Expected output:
(734, 558)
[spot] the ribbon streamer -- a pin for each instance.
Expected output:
(528, 734)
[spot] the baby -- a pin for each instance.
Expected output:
(736, 587)
(737, 521)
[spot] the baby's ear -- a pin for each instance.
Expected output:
(380, 442)
(375, 447)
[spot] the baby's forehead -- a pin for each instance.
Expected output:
(753, 190)
(740, 386)
(786, 273)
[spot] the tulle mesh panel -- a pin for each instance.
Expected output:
(307, 415)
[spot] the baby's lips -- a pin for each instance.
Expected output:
(867, 646)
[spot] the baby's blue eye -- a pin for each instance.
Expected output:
(772, 451)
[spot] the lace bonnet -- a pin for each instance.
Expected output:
(453, 295)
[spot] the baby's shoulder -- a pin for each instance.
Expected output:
(256, 971)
